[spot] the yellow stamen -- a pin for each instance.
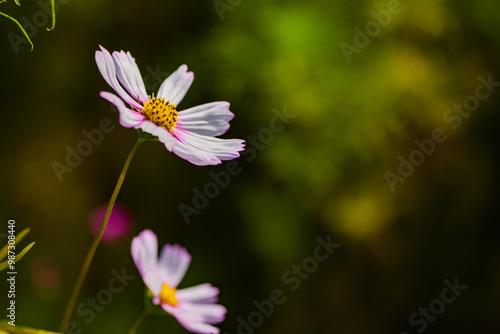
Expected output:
(161, 113)
(167, 295)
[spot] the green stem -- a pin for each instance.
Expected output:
(20, 27)
(53, 15)
(86, 264)
(138, 323)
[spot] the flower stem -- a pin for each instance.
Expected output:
(86, 264)
(138, 323)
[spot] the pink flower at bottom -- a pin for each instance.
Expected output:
(193, 307)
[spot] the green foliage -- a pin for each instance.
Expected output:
(22, 28)
(6, 328)
(53, 15)
(5, 249)
(146, 136)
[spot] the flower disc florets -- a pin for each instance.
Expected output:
(161, 113)
(167, 295)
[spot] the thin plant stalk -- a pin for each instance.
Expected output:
(138, 323)
(86, 264)
(20, 27)
(53, 16)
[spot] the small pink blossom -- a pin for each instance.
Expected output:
(119, 222)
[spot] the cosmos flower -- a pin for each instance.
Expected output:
(188, 133)
(193, 307)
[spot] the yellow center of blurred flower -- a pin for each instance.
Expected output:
(161, 113)
(167, 295)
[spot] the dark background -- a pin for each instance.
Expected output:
(322, 175)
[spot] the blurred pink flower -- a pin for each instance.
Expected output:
(190, 133)
(193, 307)
(118, 225)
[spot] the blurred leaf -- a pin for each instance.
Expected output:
(19, 237)
(18, 257)
(6, 328)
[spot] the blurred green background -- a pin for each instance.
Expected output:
(322, 175)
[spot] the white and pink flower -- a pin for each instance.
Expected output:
(193, 307)
(190, 133)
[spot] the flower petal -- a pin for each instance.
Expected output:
(211, 313)
(195, 156)
(208, 313)
(211, 119)
(173, 263)
(129, 75)
(203, 293)
(176, 85)
(153, 281)
(145, 252)
(163, 135)
(204, 150)
(128, 117)
(198, 327)
(107, 68)
(194, 323)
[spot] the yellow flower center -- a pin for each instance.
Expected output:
(161, 113)
(167, 295)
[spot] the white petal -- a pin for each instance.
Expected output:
(204, 150)
(163, 135)
(128, 117)
(203, 293)
(145, 251)
(211, 119)
(107, 68)
(153, 281)
(129, 75)
(191, 321)
(194, 155)
(173, 263)
(176, 85)
(191, 324)
(210, 313)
